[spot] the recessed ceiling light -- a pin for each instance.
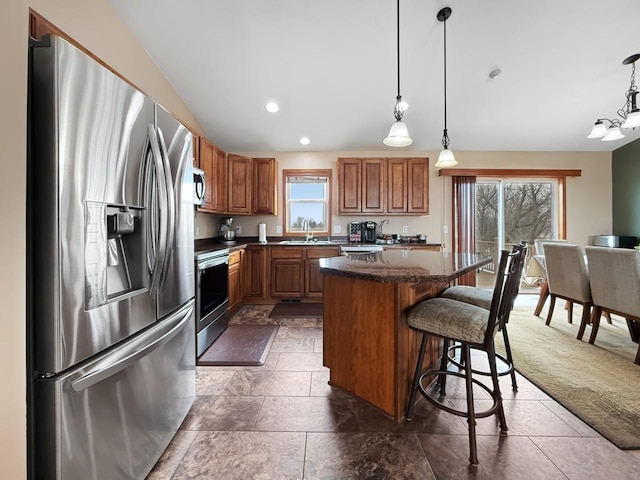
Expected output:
(272, 107)
(305, 141)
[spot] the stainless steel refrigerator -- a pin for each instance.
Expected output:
(111, 271)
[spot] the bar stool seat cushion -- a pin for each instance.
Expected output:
(480, 297)
(450, 319)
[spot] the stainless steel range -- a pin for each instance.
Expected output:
(212, 298)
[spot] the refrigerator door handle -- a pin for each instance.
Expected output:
(133, 352)
(171, 210)
(162, 197)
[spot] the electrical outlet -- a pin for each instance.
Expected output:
(405, 229)
(445, 229)
(278, 229)
(197, 231)
(238, 230)
(337, 229)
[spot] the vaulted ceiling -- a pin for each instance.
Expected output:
(331, 67)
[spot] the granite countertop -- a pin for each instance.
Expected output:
(403, 266)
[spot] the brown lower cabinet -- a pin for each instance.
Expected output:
(286, 273)
(235, 279)
(255, 268)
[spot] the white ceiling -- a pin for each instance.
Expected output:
(331, 66)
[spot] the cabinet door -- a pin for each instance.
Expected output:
(205, 162)
(286, 277)
(265, 186)
(234, 285)
(397, 185)
(255, 267)
(418, 185)
(312, 277)
(349, 185)
(240, 179)
(219, 183)
(373, 185)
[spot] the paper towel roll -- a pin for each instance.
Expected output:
(262, 233)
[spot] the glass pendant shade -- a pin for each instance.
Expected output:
(633, 120)
(446, 159)
(614, 134)
(398, 136)
(599, 130)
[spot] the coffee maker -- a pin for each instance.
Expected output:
(369, 232)
(226, 233)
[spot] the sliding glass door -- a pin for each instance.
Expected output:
(509, 211)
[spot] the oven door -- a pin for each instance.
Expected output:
(211, 300)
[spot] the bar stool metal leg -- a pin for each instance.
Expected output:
(416, 377)
(496, 388)
(471, 416)
(507, 347)
(444, 360)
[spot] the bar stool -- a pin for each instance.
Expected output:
(481, 297)
(472, 326)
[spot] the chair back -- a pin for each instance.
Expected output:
(522, 249)
(567, 272)
(505, 289)
(540, 243)
(614, 275)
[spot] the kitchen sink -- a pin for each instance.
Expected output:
(310, 243)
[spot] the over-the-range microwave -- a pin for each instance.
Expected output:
(199, 186)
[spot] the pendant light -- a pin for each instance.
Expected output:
(398, 135)
(629, 113)
(446, 157)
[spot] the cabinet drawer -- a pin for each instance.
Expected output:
(322, 252)
(286, 252)
(234, 257)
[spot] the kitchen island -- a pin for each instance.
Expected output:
(368, 347)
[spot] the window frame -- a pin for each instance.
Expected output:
(285, 200)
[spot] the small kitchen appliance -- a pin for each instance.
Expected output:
(226, 233)
(355, 232)
(369, 232)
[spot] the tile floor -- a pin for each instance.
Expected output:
(283, 421)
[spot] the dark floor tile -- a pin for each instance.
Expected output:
(356, 456)
(499, 457)
(269, 383)
(570, 419)
(172, 456)
(300, 362)
(590, 458)
(244, 455)
(223, 413)
(524, 417)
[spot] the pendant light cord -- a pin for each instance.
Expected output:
(398, 42)
(445, 136)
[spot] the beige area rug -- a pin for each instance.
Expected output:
(598, 383)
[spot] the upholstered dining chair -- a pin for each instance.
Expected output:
(567, 278)
(481, 297)
(614, 275)
(539, 258)
(472, 326)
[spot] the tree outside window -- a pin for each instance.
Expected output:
(307, 201)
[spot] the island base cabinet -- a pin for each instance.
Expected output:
(368, 346)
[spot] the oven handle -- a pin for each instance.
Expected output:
(213, 262)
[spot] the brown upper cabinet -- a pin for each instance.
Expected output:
(213, 161)
(252, 185)
(265, 186)
(396, 186)
(240, 182)
(361, 185)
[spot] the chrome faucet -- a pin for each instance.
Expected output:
(308, 236)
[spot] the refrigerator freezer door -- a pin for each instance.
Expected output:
(87, 134)
(113, 417)
(177, 283)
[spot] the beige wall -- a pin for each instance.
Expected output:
(94, 25)
(588, 196)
